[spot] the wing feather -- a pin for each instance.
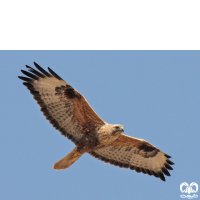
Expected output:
(54, 74)
(136, 154)
(35, 72)
(65, 108)
(42, 70)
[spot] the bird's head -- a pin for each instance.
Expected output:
(110, 132)
(117, 129)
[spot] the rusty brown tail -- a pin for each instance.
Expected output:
(68, 160)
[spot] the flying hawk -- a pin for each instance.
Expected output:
(69, 112)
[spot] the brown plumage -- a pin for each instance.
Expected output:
(69, 112)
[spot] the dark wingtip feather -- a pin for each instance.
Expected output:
(29, 75)
(28, 85)
(54, 74)
(170, 162)
(148, 172)
(28, 66)
(25, 78)
(42, 70)
(167, 156)
(35, 72)
(161, 176)
(154, 173)
(168, 166)
(165, 171)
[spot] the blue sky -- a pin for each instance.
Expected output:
(154, 94)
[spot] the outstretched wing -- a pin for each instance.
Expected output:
(136, 154)
(65, 108)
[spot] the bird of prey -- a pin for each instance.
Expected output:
(69, 112)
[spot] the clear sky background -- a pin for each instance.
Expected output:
(154, 94)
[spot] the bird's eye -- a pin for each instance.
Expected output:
(117, 127)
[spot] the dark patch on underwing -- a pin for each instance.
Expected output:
(58, 89)
(146, 147)
(70, 93)
(51, 111)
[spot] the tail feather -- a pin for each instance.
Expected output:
(68, 160)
